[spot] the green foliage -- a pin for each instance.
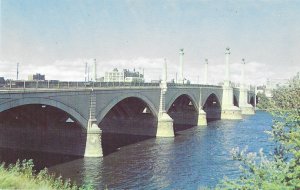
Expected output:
(282, 170)
(263, 101)
(22, 176)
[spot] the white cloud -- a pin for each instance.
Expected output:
(255, 73)
(74, 70)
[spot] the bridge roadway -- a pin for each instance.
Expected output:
(145, 109)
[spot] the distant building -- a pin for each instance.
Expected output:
(2, 81)
(274, 84)
(261, 89)
(101, 79)
(37, 76)
(123, 76)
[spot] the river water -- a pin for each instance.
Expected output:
(197, 157)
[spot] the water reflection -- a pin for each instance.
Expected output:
(196, 157)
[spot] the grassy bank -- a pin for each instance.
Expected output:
(22, 176)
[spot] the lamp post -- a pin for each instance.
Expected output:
(227, 79)
(205, 71)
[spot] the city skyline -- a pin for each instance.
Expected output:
(56, 38)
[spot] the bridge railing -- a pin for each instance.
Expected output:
(238, 85)
(191, 85)
(54, 84)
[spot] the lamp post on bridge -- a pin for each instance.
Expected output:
(181, 78)
(243, 85)
(165, 122)
(227, 79)
(246, 108)
(206, 71)
(229, 111)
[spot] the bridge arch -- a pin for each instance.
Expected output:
(101, 114)
(212, 107)
(174, 98)
(183, 110)
(45, 101)
(206, 95)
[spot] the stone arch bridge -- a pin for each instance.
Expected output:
(143, 109)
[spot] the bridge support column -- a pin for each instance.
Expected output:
(164, 125)
(202, 118)
(247, 109)
(229, 111)
(164, 121)
(93, 146)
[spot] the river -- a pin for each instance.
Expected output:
(197, 157)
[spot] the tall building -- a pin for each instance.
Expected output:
(123, 76)
(36, 76)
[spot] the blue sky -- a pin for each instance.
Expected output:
(60, 35)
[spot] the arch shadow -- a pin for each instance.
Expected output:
(45, 101)
(128, 121)
(32, 131)
(235, 101)
(252, 101)
(212, 107)
(184, 112)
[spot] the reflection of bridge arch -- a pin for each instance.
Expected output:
(212, 107)
(45, 101)
(117, 100)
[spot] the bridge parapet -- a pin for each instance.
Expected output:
(49, 84)
(239, 85)
(192, 85)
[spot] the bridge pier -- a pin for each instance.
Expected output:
(233, 113)
(246, 108)
(93, 146)
(164, 121)
(164, 125)
(202, 118)
(229, 111)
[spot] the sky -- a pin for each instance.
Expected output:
(58, 37)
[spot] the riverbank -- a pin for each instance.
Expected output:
(22, 176)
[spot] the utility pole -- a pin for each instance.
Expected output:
(17, 71)
(88, 73)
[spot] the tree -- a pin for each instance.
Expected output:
(263, 101)
(282, 169)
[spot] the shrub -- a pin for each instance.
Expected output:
(282, 169)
